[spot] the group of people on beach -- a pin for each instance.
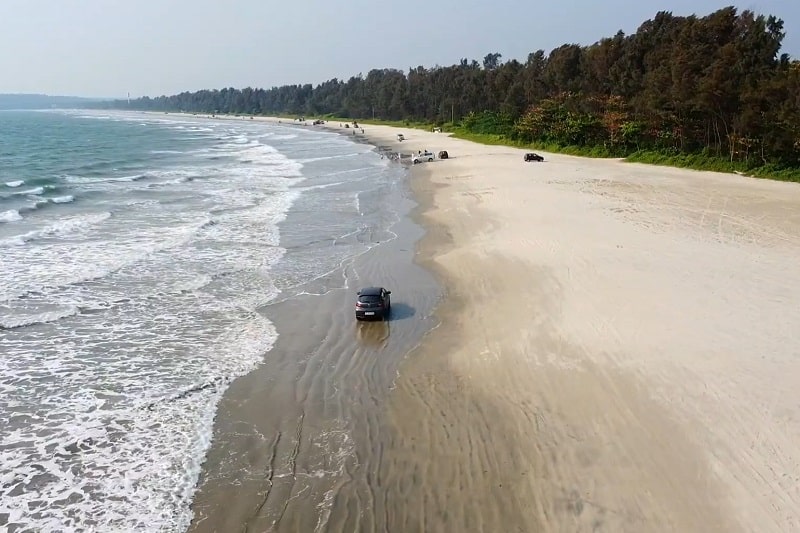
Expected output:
(355, 127)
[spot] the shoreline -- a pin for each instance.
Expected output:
(609, 341)
(325, 381)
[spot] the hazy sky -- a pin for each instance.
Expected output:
(154, 47)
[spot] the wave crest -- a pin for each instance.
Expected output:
(59, 227)
(12, 215)
(11, 322)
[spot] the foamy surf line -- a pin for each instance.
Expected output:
(61, 226)
(141, 448)
(12, 215)
(129, 437)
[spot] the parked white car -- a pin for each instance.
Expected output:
(423, 156)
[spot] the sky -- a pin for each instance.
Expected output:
(108, 48)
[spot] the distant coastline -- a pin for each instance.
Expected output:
(22, 101)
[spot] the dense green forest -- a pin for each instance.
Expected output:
(710, 88)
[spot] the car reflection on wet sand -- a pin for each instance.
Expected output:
(372, 333)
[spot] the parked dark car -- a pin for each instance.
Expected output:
(373, 303)
(443, 154)
(530, 156)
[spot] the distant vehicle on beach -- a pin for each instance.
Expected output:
(373, 303)
(401, 137)
(423, 156)
(443, 154)
(530, 156)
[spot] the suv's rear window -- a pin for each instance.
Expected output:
(369, 299)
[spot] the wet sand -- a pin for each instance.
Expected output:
(617, 349)
(297, 434)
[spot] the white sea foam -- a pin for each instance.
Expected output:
(195, 283)
(60, 227)
(328, 157)
(175, 175)
(12, 215)
(268, 161)
(135, 434)
(9, 320)
(237, 139)
(87, 180)
(63, 199)
(321, 185)
(16, 240)
(36, 204)
(37, 268)
(259, 215)
(80, 179)
(34, 191)
(97, 117)
(16, 183)
(135, 177)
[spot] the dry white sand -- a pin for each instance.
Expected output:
(637, 330)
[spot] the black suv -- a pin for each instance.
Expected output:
(530, 156)
(373, 303)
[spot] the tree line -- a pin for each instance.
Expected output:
(716, 85)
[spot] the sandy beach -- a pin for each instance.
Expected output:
(616, 348)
